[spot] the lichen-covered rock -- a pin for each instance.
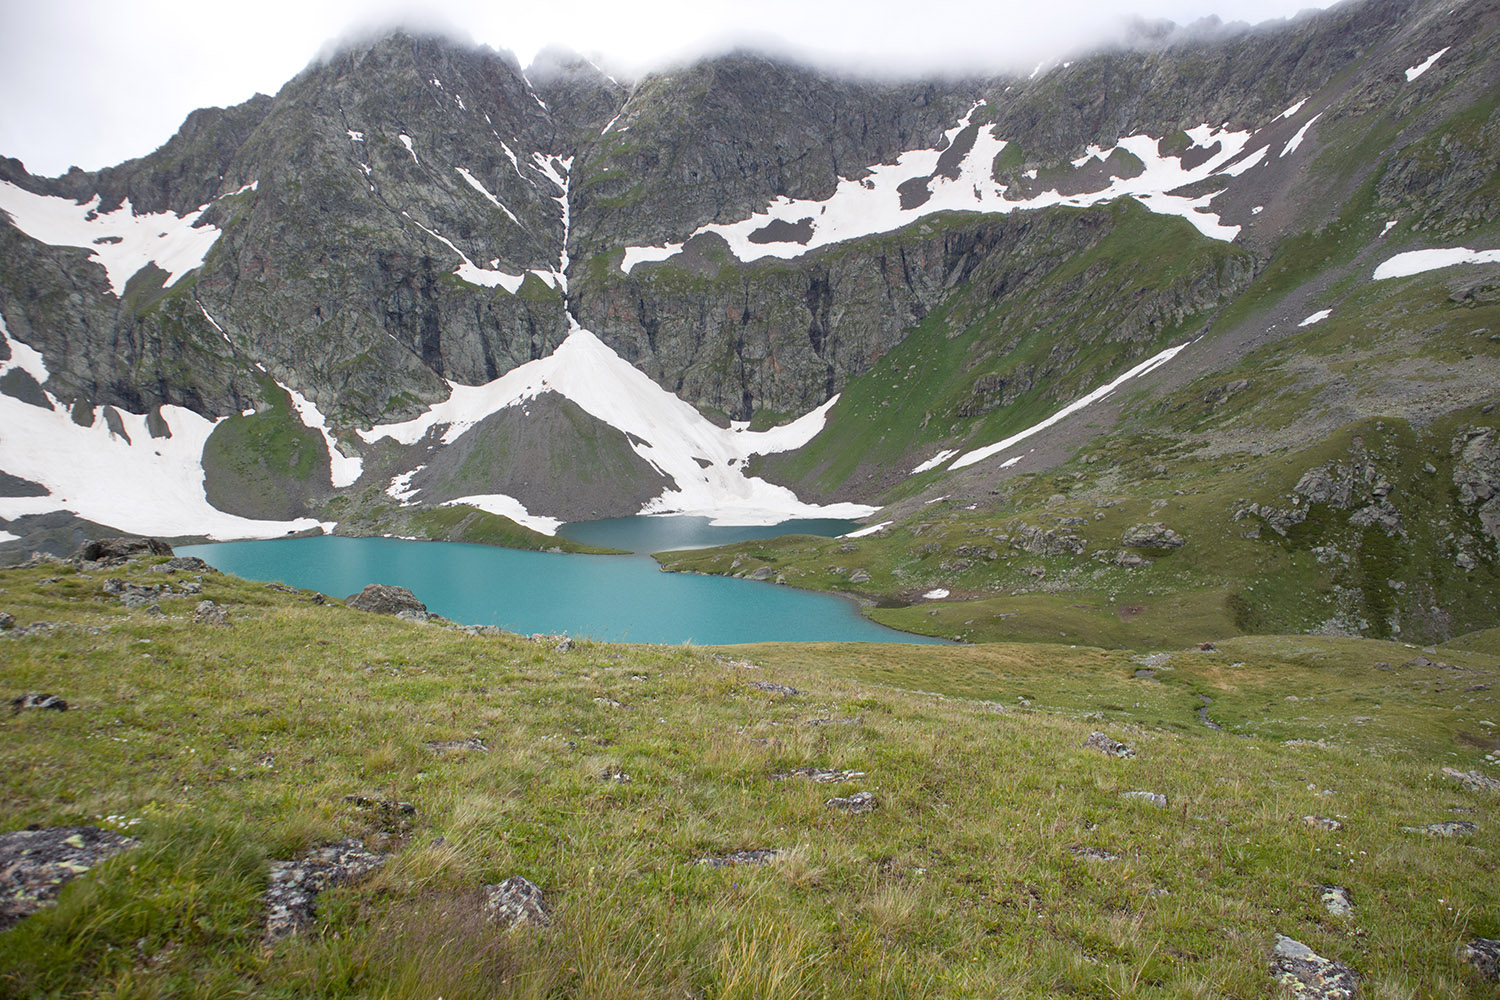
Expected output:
(209, 613)
(1322, 823)
(1337, 902)
(1156, 799)
(749, 856)
(36, 864)
(1473, 780)
(1084, 853)
(295, 885)
(516, 902)
(859, 802)
(1484, 955)
(1447, 828)
(1104, 744)
(770, 687)
(819, 775)
(1155, 536)
(384, 599)
(1309, 976)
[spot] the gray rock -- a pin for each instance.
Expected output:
(761, 573)
(36, 864)
(1473, 780)
(49, 702)
(209, 613)
(1128, 559)
(1105, 745)
(1337, 902)
(750, 856)
(1448, 828)
(1156, 799)
(1155, 536)
(7, 620)
(859, 576)
(1092, 853)
(383, 806)
(295, 885)
(1484, 955)
(473, 743)
(1309, 976)
(859, 802)
(516, 902)
(384, 599)
(1322, 823)
(773, 688)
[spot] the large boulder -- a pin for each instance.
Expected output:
(384, 599)
(1155, 536)
(120, 549)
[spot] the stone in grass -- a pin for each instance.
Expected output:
(1155, 537)
(1484, 955)
(457, 746)
(36, 864)
(1091, 853)
(819, 775)
(386, 807)
(209, 613)
(1309, 976)
(1337, 902)
(7, 620)
(383, 599)
(1322, 823)
(37, 700)
(773, 688)
(516, 902)
(1450, 828)
(1156, 799)
(1114, 748)
(750, 856)
(296, 884)
(1473, 780)
(859, 802)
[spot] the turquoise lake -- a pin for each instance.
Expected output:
(616, 598)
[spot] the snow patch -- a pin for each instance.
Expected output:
(863, 532)
(471, 272)
(1296, 140)
(1426, 64)
(1012, 461)
(936, 594)
(1257, 209)
(345, 469)
(1403, 265)
(1316, 317)
(666, 432)
(6, 536)
(934, 461)
(474, 183)
(406, 141)
(355, 136)
(1292, 110)
(499, 503)
(121, 241)
(1390, 224)
(1150, 364)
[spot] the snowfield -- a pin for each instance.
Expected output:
(121, 241)
(136, 483)
(1404, 265)
(872, 204)
(666, 431)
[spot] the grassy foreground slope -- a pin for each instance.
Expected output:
(222, 748)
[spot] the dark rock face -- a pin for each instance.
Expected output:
(383, 599)
(118, 550)
(36, 864)
(295, 885)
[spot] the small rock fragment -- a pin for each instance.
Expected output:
(48, 702)
(1449, 828)
(750, 856)
(209, 613)
(1306, 974)
(859, 802)
(7, 620)
(1156, 799)
(1322, 823)
(393, 807)
(35, 864)
(1337, 902)
(773, 688)
(616, 775)
(1484, 955)
(1102, 743)
(295, 884)
(516, 902)
(1091, 853)
(457, 746)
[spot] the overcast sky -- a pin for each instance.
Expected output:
(96, 82)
